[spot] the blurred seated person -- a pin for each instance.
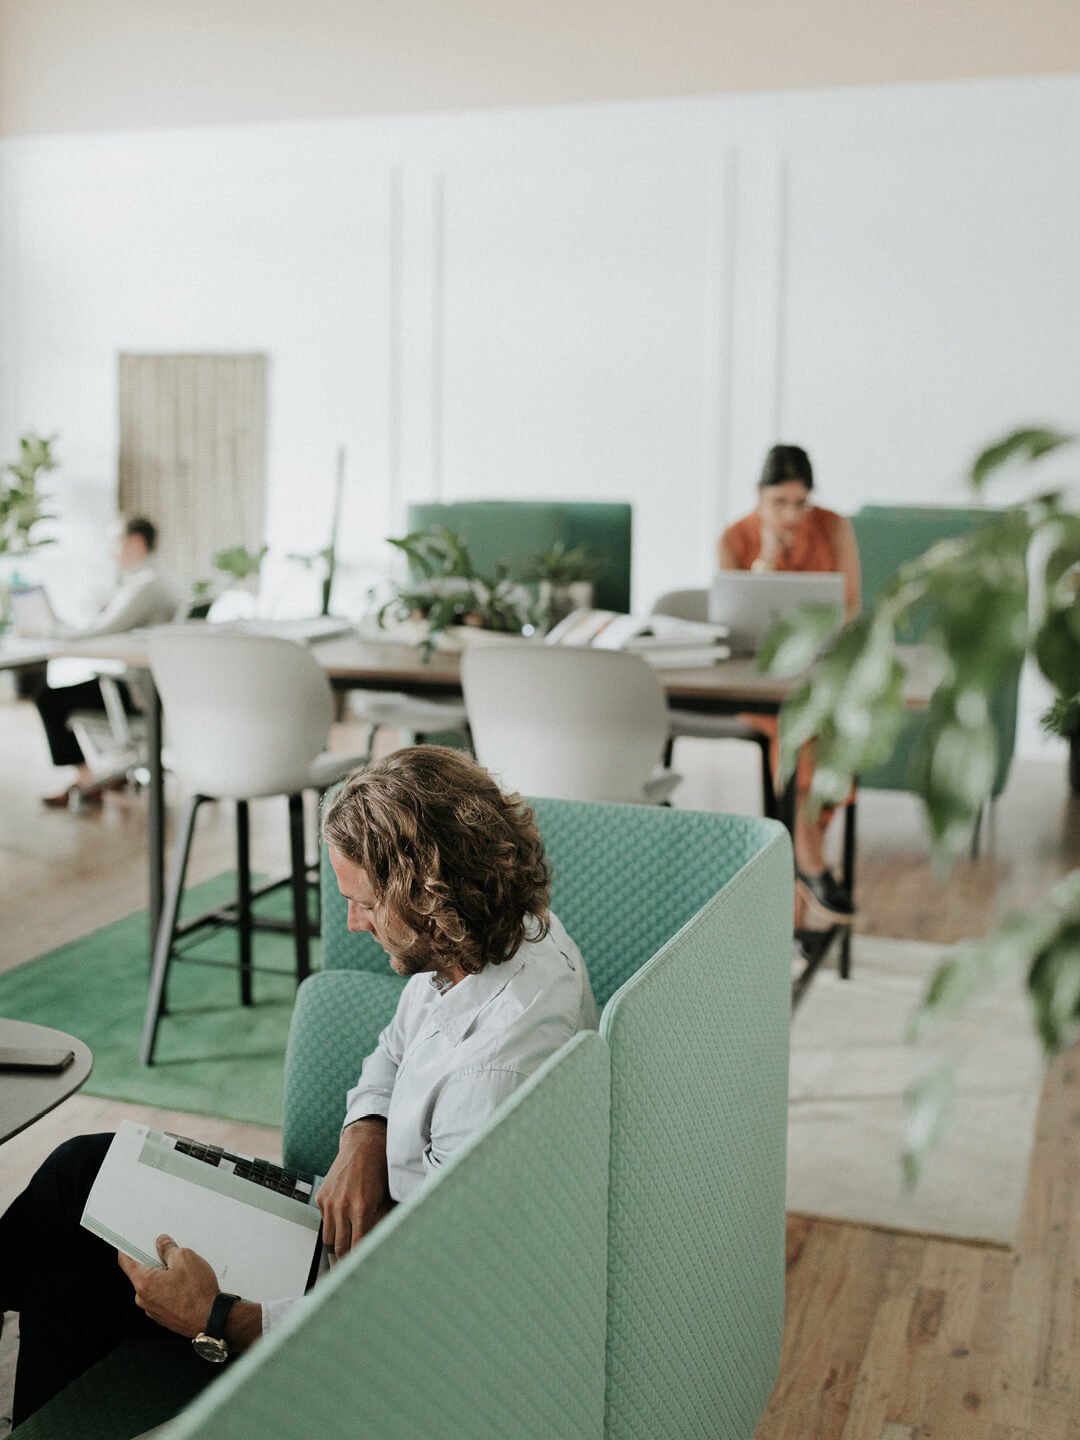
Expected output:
(788, 531)
(144, 596)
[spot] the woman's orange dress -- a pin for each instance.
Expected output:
(814, 550)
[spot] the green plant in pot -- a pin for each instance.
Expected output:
(22, 503)
(565, 577)
(444, 589)
(982, 627)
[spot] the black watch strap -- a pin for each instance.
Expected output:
(219, 1314)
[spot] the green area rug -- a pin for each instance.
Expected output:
(214, 1056)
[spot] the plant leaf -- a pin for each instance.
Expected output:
(1027, 443)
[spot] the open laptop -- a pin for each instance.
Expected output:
(32, 614)
(256, 1222)
(751, 604)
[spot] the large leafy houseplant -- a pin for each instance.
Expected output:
(22, 504)
(445, 589)
(975, 588)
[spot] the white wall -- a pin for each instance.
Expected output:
(609, 301)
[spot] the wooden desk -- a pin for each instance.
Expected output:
(726, 688)
(26, 1095)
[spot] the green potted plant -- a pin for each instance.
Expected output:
(852, 705)
(22, 504)
(444, 589)
(565, 578)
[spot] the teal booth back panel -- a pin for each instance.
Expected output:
(624, 879)
(698, 1160)
(314, 1104)
(517, 530)
(888, 536)
(476, 1311)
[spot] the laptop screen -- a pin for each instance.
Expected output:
(750, 604)
(31, 611)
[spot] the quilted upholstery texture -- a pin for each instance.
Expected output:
(627, 877)
(474, 1312)
(144, 1383)
(324, 1056)
(698, 1113)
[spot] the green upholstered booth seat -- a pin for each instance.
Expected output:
(888, 536)
(606, 1256)
(516, 530)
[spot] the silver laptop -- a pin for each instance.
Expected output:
(32, 614)
(751, 604)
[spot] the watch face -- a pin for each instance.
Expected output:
(207, 1348)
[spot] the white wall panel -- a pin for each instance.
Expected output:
(931, 298)
(626, 300)
(575, 342)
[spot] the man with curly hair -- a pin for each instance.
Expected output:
(447, 873)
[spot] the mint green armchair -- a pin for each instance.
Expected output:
(605, 1258)
(516, 530)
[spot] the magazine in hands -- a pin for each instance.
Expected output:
(256, 1224)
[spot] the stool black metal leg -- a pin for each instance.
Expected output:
(243, 898)
(850, 821)
(769, 805)
(163, 941)
(299, 887)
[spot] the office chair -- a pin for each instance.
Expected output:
(568, 722)
(694, 605)
(246, 716)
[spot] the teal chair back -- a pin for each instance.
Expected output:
(478, 1302)
(699, 1067)
(684, 921)
(624, 879)
(515, 531)
(888, 536)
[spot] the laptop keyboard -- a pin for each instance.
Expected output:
(260, 1172)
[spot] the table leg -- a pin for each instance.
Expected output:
(156, 819)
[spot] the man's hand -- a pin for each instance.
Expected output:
(356, 1193)
(179, 1296)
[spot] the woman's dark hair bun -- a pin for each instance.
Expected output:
(786, 462)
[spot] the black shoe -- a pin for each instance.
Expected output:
(825, 897)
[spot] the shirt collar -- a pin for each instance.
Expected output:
(456, 1009)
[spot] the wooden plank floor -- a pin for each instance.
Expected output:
(888, 1336)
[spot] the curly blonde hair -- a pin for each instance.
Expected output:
(457, 861)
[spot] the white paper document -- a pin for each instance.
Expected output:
(261, 1239)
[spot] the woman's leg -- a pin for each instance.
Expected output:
(75, 1304)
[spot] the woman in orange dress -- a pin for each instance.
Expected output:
(788, 532)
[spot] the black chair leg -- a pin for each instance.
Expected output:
(299, 887)
(166, 931)
(243, 898)
(769, 806)
(850, 822)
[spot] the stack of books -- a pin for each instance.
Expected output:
(662, 640)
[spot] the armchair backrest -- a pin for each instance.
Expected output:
(245, 714)
(480, 1299)
(568, 721)
(517, 530)
(699, 1062)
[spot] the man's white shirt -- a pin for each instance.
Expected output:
(451, 1055)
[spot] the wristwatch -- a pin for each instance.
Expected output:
(210, 1344)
